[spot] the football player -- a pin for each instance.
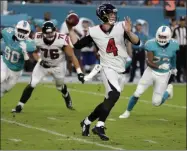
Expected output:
(109, 37)
(161, 61)
(17, 44)
(53, 46)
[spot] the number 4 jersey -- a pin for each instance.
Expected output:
(53, 53)
(13, 55)
(112, 49)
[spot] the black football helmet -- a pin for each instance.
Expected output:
(103, 12)
(49, 30)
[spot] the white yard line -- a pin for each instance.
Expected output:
(150, 141)
(121, 97)
(15, 140)
(62, 135)
(164, 120)
(52, 118)
(111, 119)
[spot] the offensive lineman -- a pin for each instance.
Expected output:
(161, 61)
(17, 44)
(110, 39)
(53, 47)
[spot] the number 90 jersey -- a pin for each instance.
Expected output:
(13, 55)
(111, 46)
(53, 53)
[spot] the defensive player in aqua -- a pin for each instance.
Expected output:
(17, 47)
(161, 61)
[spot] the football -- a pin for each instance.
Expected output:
(72, 19)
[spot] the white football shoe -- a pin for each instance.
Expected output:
(126, 114)
(170, 91)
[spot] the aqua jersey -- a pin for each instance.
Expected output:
(163, 54)
(13, 56)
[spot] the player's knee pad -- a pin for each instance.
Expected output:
(157, 99)
(139, 91)
(113, 96)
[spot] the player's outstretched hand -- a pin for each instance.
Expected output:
(81, 77)
(127, 25)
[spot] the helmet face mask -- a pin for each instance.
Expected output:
(163, 35)
(22, 30)
(112, 17)
(49, 31)
(107, 13)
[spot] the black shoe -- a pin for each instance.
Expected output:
(85, 129)
(68, 102)
(17, 109)
(100, 131)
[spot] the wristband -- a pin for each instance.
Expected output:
(40, 59)
(79, 70)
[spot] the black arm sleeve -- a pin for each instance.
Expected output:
(83, 42)
(1, 35)
(174, 33)
(127, 37)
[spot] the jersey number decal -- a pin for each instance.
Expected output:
(53, 53)
(12, 56)
(111, 47)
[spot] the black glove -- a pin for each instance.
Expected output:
(81, 77)
(44, 64)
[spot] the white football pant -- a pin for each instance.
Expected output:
(57, 72)
(8, 78)
(159, 81)
(110, 76)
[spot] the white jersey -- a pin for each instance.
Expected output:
(53, 53)
(112, 49)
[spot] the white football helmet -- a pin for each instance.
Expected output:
(22, 30)
(163, 35)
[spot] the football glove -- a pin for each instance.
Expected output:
(128, 62)
(44, 64)
(164, 66)
(81, 77)
(174, 72)
(24, 51)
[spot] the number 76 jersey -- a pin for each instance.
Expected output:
(111, 46)
(53, 54)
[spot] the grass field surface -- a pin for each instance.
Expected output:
(46, 124)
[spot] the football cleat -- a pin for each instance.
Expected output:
(68, 102)
(126, 114)
(17, 109)
(170, 91)
(85, 129)
(100, 131)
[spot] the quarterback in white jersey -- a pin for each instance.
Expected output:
(110, 38)
(53, 46)
(161, 61)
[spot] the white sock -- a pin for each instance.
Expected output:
(100, 123)
(87, 121)
(22, 104)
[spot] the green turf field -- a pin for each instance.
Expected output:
(46, 124)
